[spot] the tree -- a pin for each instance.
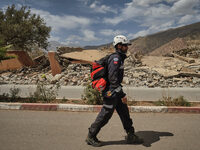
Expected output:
(3, 50)
(22, 29)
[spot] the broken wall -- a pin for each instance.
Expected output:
(22, 59)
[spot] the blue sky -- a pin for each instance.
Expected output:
(94, 22)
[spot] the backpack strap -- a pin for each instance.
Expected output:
(104, 61)
(106, 66)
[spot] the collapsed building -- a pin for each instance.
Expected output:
(72, 68)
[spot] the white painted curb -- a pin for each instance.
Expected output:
(148, 109)
(93, 108)
(74, 107)
(12, 106)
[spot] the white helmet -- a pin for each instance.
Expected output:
(120, 39)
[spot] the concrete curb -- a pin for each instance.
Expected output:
(94, 108)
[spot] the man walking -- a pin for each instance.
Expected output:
(114, 97)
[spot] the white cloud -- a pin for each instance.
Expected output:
(71, 43)
(87, 36)
(97, 7)
(62, 22)
(186, 19)
(110, 32)
(113, 21)
(140, 33)
(74, 38)
(136, 11)
(156, 15)
(54, 38)
(153, 29)
(145, 2)
(185, 6)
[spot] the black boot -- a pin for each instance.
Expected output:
(131, 138)
(92, 140)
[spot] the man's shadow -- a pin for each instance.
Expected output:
(149, 138)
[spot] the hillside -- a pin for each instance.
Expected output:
(163, 42)
(167, 40)
(97, 47)
(176, 44)
(157, 44)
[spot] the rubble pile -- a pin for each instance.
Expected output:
(139, 72)
(145, 76)
(192, 53)
(74, 74)
(41, 62)
(79, 75)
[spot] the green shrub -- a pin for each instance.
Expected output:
(180, 101)
(64, 100)
(92, 96)
(3, 50)
(169, 101)
(44, 94)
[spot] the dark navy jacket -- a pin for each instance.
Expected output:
(115, 70)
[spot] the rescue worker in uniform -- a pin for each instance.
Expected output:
(114, 97)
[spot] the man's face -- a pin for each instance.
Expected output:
(123, 47)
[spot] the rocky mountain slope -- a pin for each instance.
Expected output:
(164, 42)
(170, 40)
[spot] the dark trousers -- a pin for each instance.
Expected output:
(109, 105)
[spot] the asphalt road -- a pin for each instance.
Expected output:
(40, 130)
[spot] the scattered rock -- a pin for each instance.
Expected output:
(148, 71)
(126, 80)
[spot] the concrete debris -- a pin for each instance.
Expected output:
(189, 53)
(21, 59)
(188, 60)
(41, 61)
(86, 56)
(146, 71)
(54, 63)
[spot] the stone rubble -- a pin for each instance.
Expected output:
(192, 53)
(136, 75)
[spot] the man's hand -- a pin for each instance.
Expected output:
(124, 100)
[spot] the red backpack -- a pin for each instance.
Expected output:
(99, 73)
